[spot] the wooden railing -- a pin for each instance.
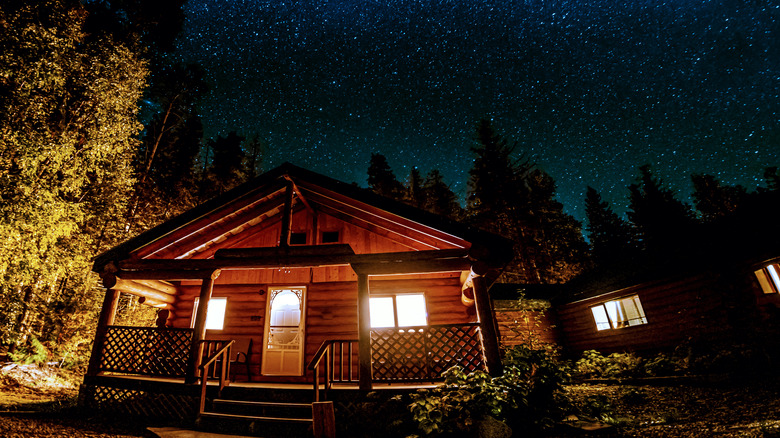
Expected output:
(147, 351)
(424, 352)
(222, 354)
(336, 366)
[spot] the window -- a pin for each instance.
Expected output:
(215, 316)
(769, 278)
(297, 238)
(330, 237)
(401, 310)
(625, 312)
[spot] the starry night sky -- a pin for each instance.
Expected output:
(589, 89)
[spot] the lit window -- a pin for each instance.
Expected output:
(215, 316)
(625, 312)
(401, 310)
(769, 278)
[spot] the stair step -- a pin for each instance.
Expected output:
(261, 404)
(257, 418)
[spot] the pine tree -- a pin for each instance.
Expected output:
(713, 200)
(663, 222)
(413, 191)
(611, 237)
(511, 197)
(382, 180)
(228, 166)
(439, 198)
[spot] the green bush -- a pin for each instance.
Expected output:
(617, 365)
(526, 396)
(33, 352)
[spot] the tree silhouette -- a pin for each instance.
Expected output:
(611, 237)
(663, 222)
(382, 180)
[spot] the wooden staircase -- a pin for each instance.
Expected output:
(270, 419)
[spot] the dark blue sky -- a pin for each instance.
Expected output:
(590, 90)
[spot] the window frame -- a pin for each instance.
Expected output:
(619, 323)
(395, 309)
(768, 278)
(195, 304)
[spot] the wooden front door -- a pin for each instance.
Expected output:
(284, 332)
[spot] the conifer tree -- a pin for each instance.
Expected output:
(414, 193)
(439, 198)
(663, 222)
(713, 200)
(611, 237)
(228, 166)
(509, 196)
(382, 180)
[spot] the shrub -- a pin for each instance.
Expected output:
(526, 395)
(617, 365)
(31, 353)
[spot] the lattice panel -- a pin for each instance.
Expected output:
(399, 354)
(141, 403)
(146, 350)
(455, 345)
(425, 353)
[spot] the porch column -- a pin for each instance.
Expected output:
(487, 324)
(364, 334)
(106, 318)
(199, 332)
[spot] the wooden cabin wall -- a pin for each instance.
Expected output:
(676, 310)
(331, 306)
(525, 327)
(266, 234)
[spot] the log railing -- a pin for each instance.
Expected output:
(423, 353)
(149, 351)
(338, 360)
(223, 355)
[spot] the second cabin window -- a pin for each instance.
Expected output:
(400, 310)
(620, 313)
(769, 278)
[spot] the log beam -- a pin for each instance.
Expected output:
(364, 334)
(138, 289)
(487, 324)
(284, 237)
(199, 331)
(162, 286)
(106, 318)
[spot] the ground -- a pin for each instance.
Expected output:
(40, 402)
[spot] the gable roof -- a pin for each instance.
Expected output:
(255, 202)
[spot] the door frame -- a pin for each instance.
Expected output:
(301, 328)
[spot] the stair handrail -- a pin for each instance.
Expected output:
(204, 376)
(324, 352)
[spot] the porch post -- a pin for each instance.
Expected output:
(106, 318)
(199, 332)
(487, 325)
(364, 334)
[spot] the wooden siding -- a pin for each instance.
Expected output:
(530, 327)
(676, 310)
(331, 307)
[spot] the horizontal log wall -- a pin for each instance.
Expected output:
(676, 310)
(331, 308)
(526, 327)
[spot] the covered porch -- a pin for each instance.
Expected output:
(377, 355)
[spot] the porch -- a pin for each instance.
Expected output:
(398, 355)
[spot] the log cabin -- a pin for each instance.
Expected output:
(313, 280)
(714, 306)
